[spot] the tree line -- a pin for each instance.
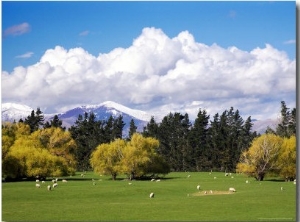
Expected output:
(206, 144)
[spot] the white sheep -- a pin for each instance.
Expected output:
(247, 181)
(215, 177)
(151, 195)
(232, 189)
(55, 185)
(152, 180)
(38, 185)
(294, 181)
(37, 181)
(157, 180)
(53, 181)
(43, 181)
(189, 176)
(226, 174)
(211, 191)
(64, 181)
(198, 187)
(49, 187)
(281, 188)
(129, 183)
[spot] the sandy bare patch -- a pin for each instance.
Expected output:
(213, 192)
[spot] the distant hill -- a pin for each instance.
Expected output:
(13, 111)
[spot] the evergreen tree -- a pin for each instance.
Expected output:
(88, 134)
(118, 126)
(173, 134)
(35, 120)
(108, 130)
(287, 125)
(151, 130)
(198, 141)
(55, 122)
(132, 128)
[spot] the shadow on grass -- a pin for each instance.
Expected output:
(275, 180)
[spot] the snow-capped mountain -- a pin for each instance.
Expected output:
(102, 111)
(13, 111)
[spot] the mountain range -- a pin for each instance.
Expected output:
(14, 112)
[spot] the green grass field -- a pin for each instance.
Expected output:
(176, 199)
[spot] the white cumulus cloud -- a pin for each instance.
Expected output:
(159, 73)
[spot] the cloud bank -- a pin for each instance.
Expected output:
(158, 74)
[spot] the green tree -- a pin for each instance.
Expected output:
(132, 128)
(173, 137)
(151, 130)
(35, 120)
(287, 125)
(88, 133)
(55, 122)
(198, 137)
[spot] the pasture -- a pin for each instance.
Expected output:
(176, 199)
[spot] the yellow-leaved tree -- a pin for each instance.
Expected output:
(262, 156)
(137, 153)
(32, 155)
(134, 158)
(287, 159)
(106, 159)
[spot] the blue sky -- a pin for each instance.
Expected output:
(127, 45)
(99, 27)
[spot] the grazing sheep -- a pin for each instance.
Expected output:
(37, 181)
(64, 181)
(152, 180)
(226, 174)
(232, 189)
(38, 185)
(198, 187)
(43, 181)
(247, 181)
(129, 183)
(49, 187)
(151, 195)
(281, 188)
(157, 180)
(53, 181)
(215, 177)
(55, 185)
